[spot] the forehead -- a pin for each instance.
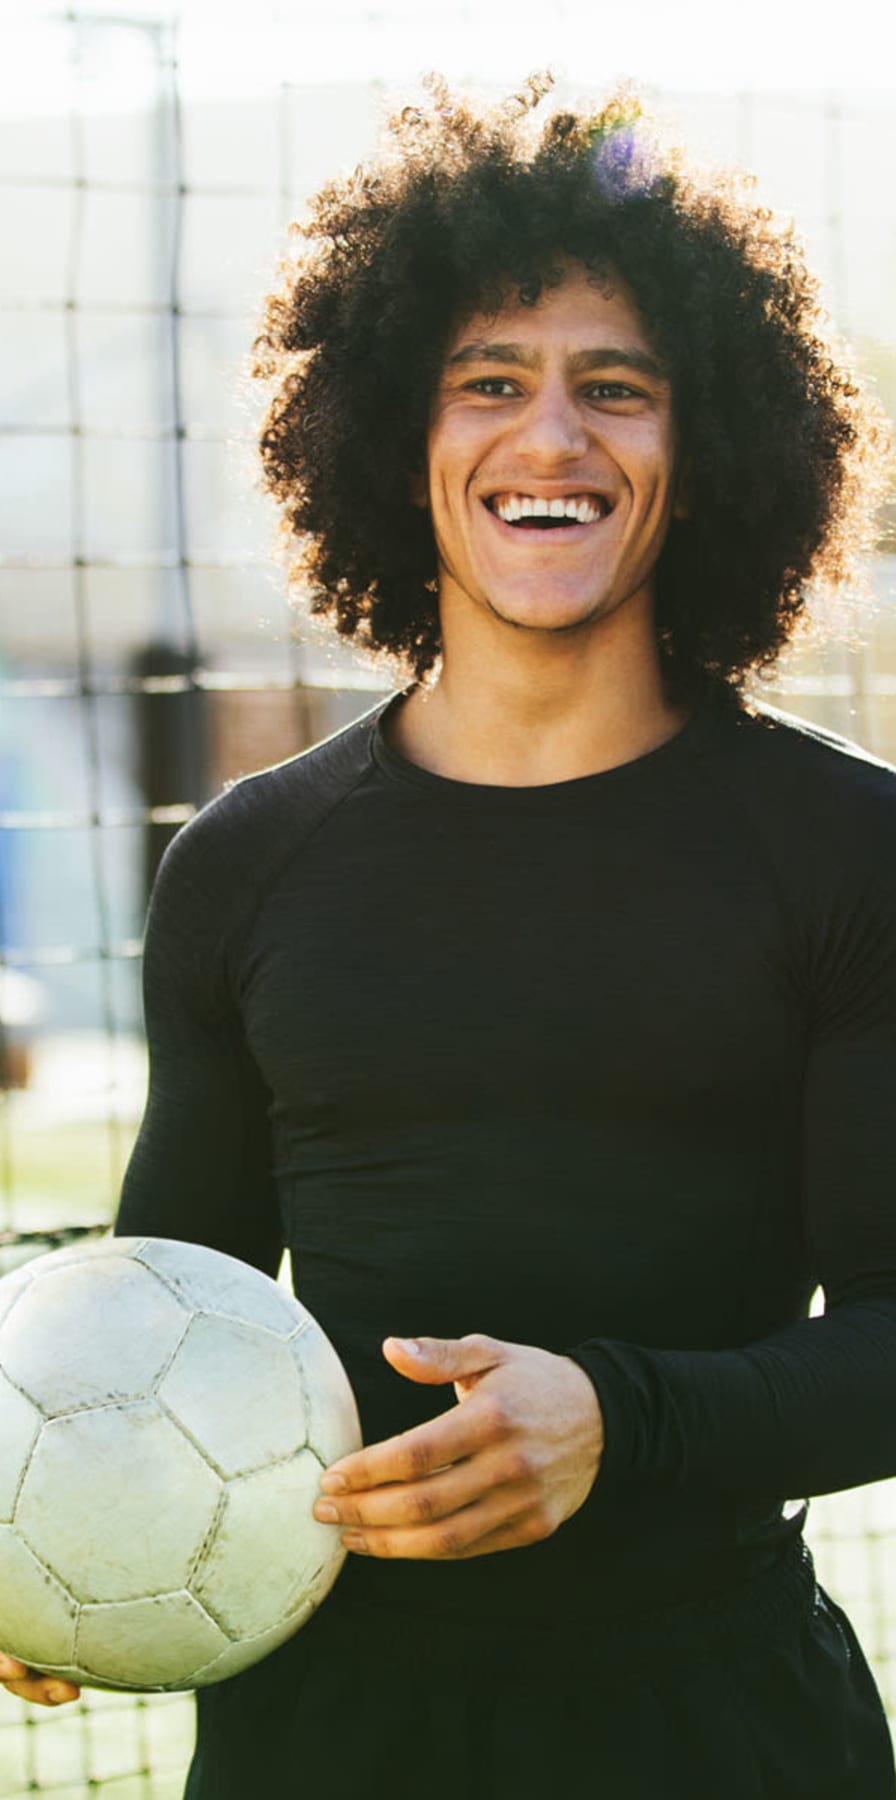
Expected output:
(582, 307)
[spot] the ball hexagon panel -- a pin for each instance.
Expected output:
(132, 1308)
(250, 1650)
(258, 1415)
(116, 1502)
(225, 1285)
(37, 1618)
(269, 1553)
(334, 1428)
(157, 1643)
(86, 1249)
(20, 1423)
(13, 1286)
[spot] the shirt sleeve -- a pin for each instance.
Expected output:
(810, 1409)
(201, 1166)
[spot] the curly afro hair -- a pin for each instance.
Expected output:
(466, 207)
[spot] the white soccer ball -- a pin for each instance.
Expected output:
(165, 1414)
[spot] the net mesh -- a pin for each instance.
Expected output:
(146, 655)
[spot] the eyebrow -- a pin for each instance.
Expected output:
(600, 357)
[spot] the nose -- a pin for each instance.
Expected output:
(551, 428)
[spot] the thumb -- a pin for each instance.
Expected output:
(438, 1360)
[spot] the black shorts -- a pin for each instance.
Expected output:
(763, 1695)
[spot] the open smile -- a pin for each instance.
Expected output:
(564, 515)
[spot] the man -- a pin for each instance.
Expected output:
(549, 1010)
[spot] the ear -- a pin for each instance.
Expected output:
(419, 490)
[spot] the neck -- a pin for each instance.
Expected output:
(537, 707)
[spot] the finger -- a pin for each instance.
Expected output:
(27, 1684)
(412, 1454)
(432, 1497)
(438, 1360)
(43, 1690)
(445, 1541)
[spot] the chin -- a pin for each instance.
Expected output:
(562, 616)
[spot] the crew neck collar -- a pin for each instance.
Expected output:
(652, 764)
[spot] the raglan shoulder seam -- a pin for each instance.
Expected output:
(267, 808)
(831, 795)
(243, 931)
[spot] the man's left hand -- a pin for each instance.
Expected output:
(503, 1468)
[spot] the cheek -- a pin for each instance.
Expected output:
(449, 516)
(650, 466)
(456, 449)
(452, 507)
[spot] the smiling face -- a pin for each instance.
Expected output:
(551, 461)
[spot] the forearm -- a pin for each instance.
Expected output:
(810, 1410)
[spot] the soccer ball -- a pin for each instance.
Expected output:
(165, 1414)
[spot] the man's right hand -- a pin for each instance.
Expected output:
(45, 1690)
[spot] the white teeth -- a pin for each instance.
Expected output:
(583, 510)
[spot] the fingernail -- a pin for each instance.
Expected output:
(56, 1694)
(410, 1346)
(333, 1484)
(354, 1541)
(327, 1514)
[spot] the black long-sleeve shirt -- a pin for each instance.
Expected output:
(605, 1066)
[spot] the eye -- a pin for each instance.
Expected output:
(614, 390)
(495, 387)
